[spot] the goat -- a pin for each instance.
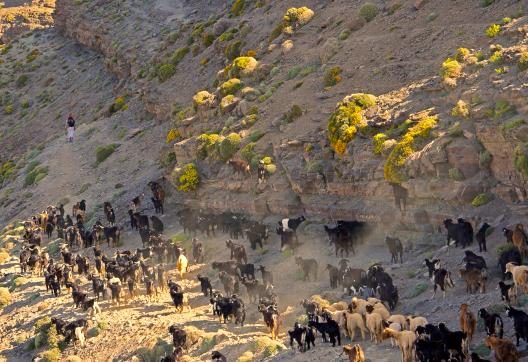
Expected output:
(520, 323)
(308, 267)
(197, 251)
(442, 279)
(228, 281)
(481, 236)
(395, 248)
(179, 336)
(468, 322)
(247, 270)
(504, 349)
(415, 322)
(508, 256)
(520, 240)
(218, 357)
(331, 327)
(405, 340)
(267, 276)
(355, 353)
(205, 284)
(240, 167)
(238, 252)
(491, 322)
(453, 340)
(475, 280)
(374, 324)
(333, 274)
(181, 265)
(303, 335)
(520, 276)
(271, 318)
(507, 292)
(288, 224)
(355, 321)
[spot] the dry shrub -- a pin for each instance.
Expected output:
(5, 297)
(193, 335)
(245, 357)
(4, 256)
(267, 346)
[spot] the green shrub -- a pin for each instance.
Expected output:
(277, 30)
(208, 39)
(293, 114)
(378, 141)
(497, 57)
(455, 130)
(481, 199)
(523, 61)
(228, 35)
(103, 152)
(512, 124)
(34, 173)
(293, 72)
(231, 86)
(17, 282)
(187, 178)
(493, 30)
(233, 50)
(418, 289)
(347, 119)
(332, 76)
(243, 66)
(172, 135)
(22, 80)
(203, 98)
(451, 68)
(343, 35)
(256, 135)
(228, 146)
(266, 346)
(7, 170)
(238, 7)
(455, 174)
(461, 109)
(411, 141)
(247, 152)
(487, 2)
(521, 162)
(119, 104)
(368, 11)
(502, 108)
(9, 109)
(179, 54)
(165, 71)
(5, 297)
(485, 159)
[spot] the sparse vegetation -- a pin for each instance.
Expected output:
(523, 62)
(103, 152)
(238, 7)
(118, 105)
(493, 30)
(461, 109)
(34, 173)
(485, 159)
(22, 80)
(455, 174)
(179, 55)
(293, 114)
(481, 199)
(231, 86)
(411, 141)
(186, 178)
(332, 76)
(419, 288)
(378, 141)
(347, 119)
(368, 11)
(165, 71)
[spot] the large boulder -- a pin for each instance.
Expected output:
(464, 155)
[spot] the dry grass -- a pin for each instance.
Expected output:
(245, 357)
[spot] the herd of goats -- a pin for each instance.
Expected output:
(373, 293)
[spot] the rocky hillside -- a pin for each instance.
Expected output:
(299, 69)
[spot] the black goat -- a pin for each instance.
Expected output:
(520, 323)
(432, 265)
(246, 270)
(453, 340)
(505, 291)
(333, 274)
(303, 335)
(205, 284)
(491, 322)
(481, 236)
(267, 276)
(331, 327)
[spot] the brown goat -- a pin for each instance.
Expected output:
(519, 240)
(475, 280)
(468, 323)
(504, 349)
(354, 353)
